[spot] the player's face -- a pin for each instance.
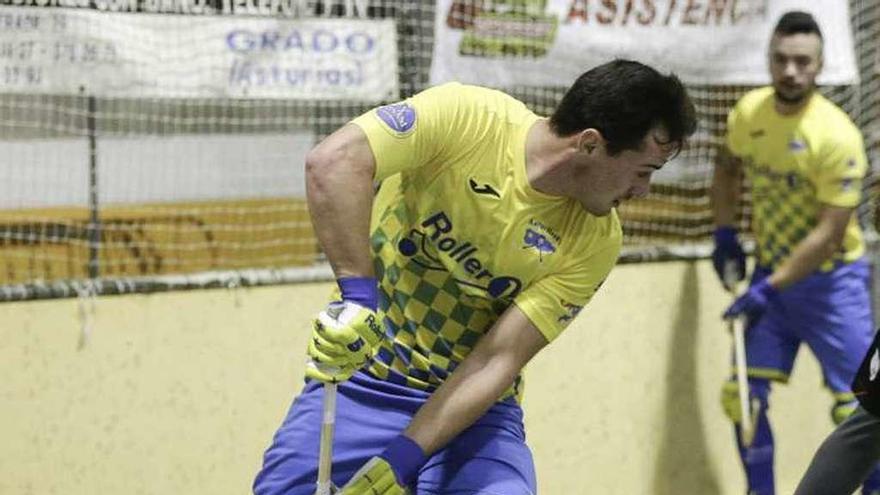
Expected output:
(795, 61)
(627, 175)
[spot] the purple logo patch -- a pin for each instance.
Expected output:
(571, 311)
(535, 240)
(399, 117)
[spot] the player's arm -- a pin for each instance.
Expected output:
(341, 169)
(476, 384)
(816, 248)
(726, 183)
(339, 184)
(339, 189)
(724, 194)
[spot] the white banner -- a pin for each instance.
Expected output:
(64, 51)
(551, 42)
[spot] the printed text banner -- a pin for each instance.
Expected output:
(551, 42)
(62, 51)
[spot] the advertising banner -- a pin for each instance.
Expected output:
(67, 51)
(504, 43)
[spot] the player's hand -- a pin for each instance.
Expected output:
(389, 473)
(728, 251)
(376, 477)
(343, 337)
(753, 303)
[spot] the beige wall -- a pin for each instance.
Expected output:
(179, 393)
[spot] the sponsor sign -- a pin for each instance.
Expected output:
(69, 51)
(504, 43)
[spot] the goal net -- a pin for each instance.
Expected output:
(154, 144)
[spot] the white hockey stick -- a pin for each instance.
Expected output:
(736, 327)
(325, 455)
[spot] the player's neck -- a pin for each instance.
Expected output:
(791, 108)
(546, 153)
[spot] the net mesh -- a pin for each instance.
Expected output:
(99, 189)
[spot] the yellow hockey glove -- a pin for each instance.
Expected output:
(344, 337)
(375, 478)
(390, 472)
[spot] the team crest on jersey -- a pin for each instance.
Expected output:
(541, 238)
(539, 242)
(399, 118)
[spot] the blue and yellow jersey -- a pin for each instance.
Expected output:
(796, 165)
(458, 234)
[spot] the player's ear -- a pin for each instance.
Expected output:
(588, 140)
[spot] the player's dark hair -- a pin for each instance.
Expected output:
(624, 100)
(797, 22)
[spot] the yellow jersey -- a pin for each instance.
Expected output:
(796, 165)
(458, 234)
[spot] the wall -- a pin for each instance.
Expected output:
(180, 392)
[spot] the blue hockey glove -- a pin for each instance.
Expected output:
(728, 251)
(753, 303)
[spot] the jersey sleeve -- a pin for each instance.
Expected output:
(737, 134)
(413, 132)
(842, 166)
(553, 302)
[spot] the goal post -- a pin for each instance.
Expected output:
(159, 145)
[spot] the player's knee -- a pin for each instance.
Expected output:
(843, 409)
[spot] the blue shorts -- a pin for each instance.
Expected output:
(490, 457)
(830, 312)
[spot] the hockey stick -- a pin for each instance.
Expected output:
(735, 325)
(325, 453)
(325, 456)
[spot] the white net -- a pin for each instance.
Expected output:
(136, 144)
(146, 144)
